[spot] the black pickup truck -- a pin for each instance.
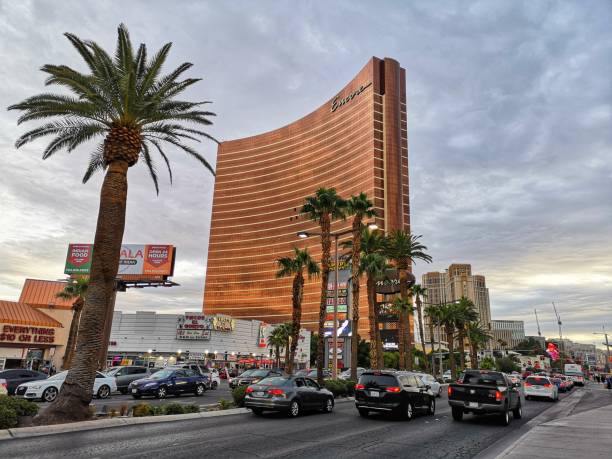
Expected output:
(485, 392)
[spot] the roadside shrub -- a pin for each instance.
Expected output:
(123, 409)
(192, 408)
(157, 410)
(225, 404)
(336, 387)
(141, 410)
(350, 387)
(8, 417)
(238, 395)
(173, 408)
(113, 413)
(20, 406)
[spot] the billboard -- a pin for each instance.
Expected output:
(194, 326)
(134, 260)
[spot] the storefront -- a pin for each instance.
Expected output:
(157, 340)
(28, 337)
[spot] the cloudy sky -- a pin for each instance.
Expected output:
(510, 139)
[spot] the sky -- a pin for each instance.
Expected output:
(509, 127)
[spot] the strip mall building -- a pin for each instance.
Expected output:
(354, 142)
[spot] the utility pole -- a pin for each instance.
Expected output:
(538, 322)
(607, 343)
(559, 323)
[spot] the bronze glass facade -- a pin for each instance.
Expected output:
(356, 141)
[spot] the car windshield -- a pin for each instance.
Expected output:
(537, 381)
(113, 371)
(483, 379)
(61, 375)
(247, 373)
(274, 381)
(162, 374)
(259, 373)
(301, 373)
(372, 380)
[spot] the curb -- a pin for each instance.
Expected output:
(26, 432)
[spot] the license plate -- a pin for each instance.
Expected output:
(134, 391)
(259, 394)
(537, 387)
(473, 405)
(374, 394)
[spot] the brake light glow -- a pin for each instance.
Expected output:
(359, 386)
(394, 389)
(548, 385)
(498, 396)
(450, 391)
(276, 392)
(527, 384)
(249, 390)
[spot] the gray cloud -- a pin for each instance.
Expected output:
(510, 108)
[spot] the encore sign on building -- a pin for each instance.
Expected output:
(18, 334)
(135, 260)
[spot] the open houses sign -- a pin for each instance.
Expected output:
(16, 334)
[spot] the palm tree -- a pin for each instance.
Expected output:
(374, 266)
(126, 103)
(420, 292)
(466, 313)
(326, 205)
(295, 266)
(277, 340)
(403, 249)
(432, 312)
(75, 290)
(478, 336)
(448, 315)
(359, 206)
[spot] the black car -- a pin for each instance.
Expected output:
(400, 395)
(484, 392)
(19, 376)
(169, 381)
(253, 376)
(289, 394)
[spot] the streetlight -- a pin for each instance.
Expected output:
(607, 366)
(336, 236)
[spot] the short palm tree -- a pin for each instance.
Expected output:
(360, 207)
(420, 292)
(403, 249)
(432, 312)
(75, 290)
(479, 336)
(295, 266)
(276, 340)
(326, 205)
(132, 108)
(466, 314)
(448, 316)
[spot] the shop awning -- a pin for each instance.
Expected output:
(23, 314)
(42, 294)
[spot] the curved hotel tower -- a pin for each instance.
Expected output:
(356, 141)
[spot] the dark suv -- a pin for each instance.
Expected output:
(396, 393)
(124, 375)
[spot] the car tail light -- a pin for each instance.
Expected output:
(276, 392)
(527, 384)
(394, 389)
(359, 386)
(450, 391)
(548, 385)
(498, 396)
(249, 390)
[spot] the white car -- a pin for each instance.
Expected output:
(3, 387)
(540, 386)
(213, 374)
(447, 377)
(47, 390)
(346, 374)
(432, 382)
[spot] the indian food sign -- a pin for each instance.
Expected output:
(134, 259)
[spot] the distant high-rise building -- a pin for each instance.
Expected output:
(507, 333)
(458, 281)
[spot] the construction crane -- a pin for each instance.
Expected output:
(558, 321)
(537, 322)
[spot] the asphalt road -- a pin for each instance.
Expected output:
(340, 434)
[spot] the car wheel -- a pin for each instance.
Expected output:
(104, 392)
(440, 391)
(457, 413)
(294, 409)
(200, 389)
(215, 384)
(257, 411)
(409, 413)
(363, 413)
(161, 392)
(431, 409)
(505, 418)
(50, 394)
(517, 413)
(329, 405)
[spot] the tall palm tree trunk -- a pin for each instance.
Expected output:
(72, 403)
(419, 305)
(432, 340)
(296, 319)
(451, 349)
(461, 344)
(325, 258)
(373, 323)
(401, 339)
(355, 260)
(474, 355)
(405, 319)
(77, 308)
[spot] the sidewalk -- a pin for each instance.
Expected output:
(586, 434)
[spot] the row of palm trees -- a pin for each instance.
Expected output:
(372, 254)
